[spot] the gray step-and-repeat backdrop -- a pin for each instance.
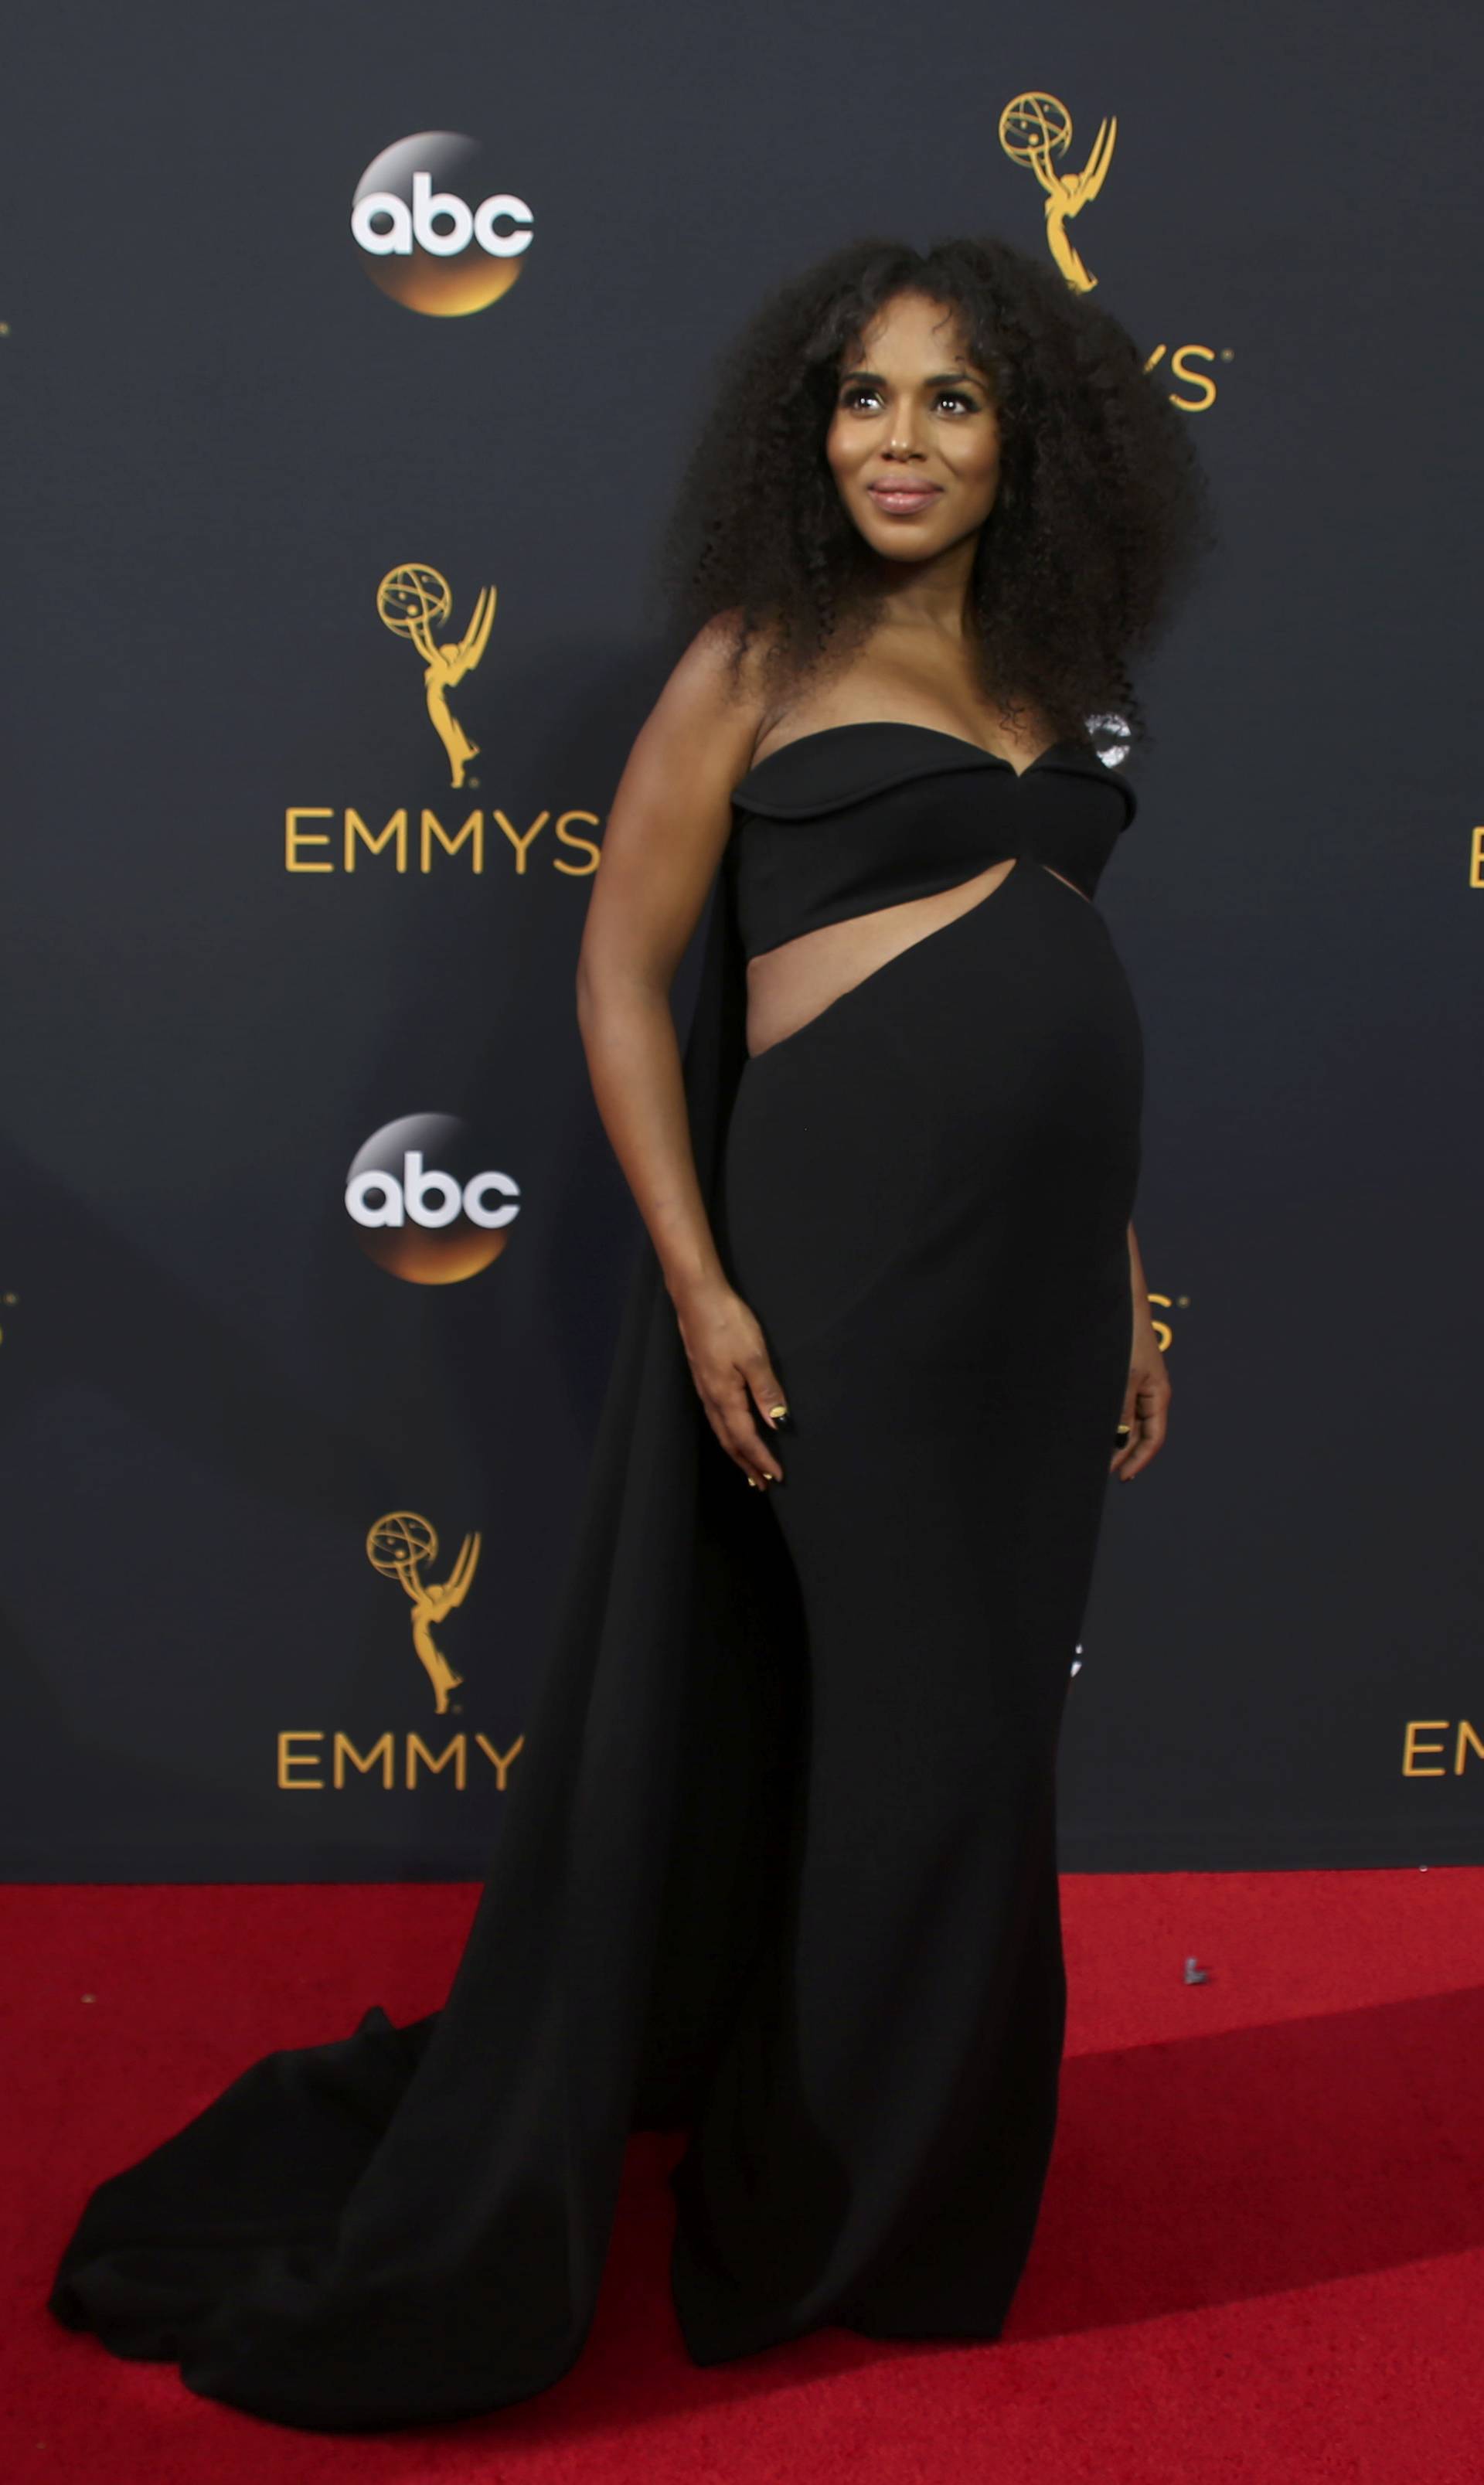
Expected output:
(351, 355)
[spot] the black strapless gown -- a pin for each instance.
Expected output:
(781, 1870)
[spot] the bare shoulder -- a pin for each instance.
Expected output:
(717, 697)
(672, 811)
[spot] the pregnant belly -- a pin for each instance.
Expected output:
(954, 1141)
(788, 986)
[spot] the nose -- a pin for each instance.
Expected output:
(906, 421)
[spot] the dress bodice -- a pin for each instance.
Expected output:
(855, 817)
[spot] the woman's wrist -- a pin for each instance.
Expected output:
(693, 1283)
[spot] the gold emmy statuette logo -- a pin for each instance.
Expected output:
(1032, 129)
(414, 602)
(397, 1545)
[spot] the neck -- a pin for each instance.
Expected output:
(930, 594)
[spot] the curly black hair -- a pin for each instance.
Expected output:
(1100, 523)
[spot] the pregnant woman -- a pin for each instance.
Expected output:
(780, 1873)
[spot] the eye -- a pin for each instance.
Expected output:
(857, 394)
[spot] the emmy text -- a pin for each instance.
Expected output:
(1430, 1758)
(311, 1761)
(398, 846)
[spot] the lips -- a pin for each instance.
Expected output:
(904, 500)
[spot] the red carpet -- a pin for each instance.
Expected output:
(1261, 2254)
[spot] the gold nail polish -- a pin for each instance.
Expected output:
(778, 1414)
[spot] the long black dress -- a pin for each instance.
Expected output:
(781, 1870)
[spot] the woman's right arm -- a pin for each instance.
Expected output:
(667, 825)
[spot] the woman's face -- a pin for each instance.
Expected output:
(914, 441)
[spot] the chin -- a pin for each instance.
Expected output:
(894, 544)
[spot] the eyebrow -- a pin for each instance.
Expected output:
(934, 380)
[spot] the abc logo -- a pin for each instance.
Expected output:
(425, 242)
(424, 1208)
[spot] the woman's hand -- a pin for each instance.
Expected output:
(1146, 1398)
(729, 1365)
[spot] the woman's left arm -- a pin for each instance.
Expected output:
(1146, 1397)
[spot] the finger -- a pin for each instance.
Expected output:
(763, 1390)
(1151, 1423)
(769, 1395)
(729, 1415)
(744, 1440)
(717, 1417)
(762, 1462)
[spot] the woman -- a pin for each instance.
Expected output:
(782, 1870)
